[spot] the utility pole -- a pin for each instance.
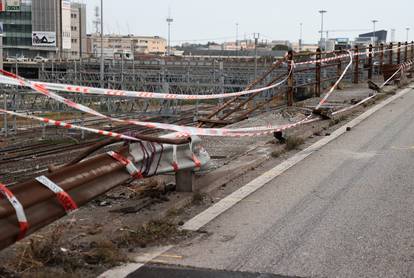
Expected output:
(237, 39)
(374, 22)
(102, 51)
(169, 21)
(256, 37)
(300, 37)
(322, 12)
(408, 31)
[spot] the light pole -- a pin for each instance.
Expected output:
(374, 22)
(322, 12)
(256, 41)
(300, 37)
(237, 39)
(102, 52)
(408, 31)
(169, 21)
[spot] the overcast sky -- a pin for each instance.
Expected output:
(273, 19)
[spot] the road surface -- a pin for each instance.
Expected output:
(345, 211)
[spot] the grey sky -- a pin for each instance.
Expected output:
(274, 19)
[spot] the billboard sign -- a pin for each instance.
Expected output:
(2, 5)
(66, 25)
(44, 38)
(12, 5)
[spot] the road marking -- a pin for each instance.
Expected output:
(140, 261)
(403, 148)
(225, 204)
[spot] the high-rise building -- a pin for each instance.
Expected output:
(42, 28)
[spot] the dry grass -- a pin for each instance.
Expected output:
(294, 142)
(277, 153)
(198, 198)
(153, 231)
(50, 256)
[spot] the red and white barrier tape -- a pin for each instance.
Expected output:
(405, 65)
(21, 216)
(68, 204)
(129, 165)
(70, 126)
(151, 95)
(184, 130)
(132, 94)
(328, 94)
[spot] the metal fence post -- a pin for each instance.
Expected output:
(318, 73)
(412, 50)
(339, 66)
(399, 54)
(290, 79)
(370, 62)
(406, 52)
(356, 65)
(390, 54)
(5, 115)
(381, 61)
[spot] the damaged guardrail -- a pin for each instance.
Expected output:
(50, 197)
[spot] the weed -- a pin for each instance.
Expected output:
(198, 198)
(277, 153)
(293, 143)
(153, 231)
(104, 252)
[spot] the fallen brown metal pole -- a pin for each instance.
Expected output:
(32, 192)
(47, 211)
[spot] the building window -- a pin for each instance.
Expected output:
(74, 28)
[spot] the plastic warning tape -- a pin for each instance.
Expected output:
(68, 204)
(21, 216)
(133, 94)
(129, 165)
(70, 126)
(181, 129)
(328, 94)
(70, 88)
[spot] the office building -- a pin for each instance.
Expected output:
(42, 28)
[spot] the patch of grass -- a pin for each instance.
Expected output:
(153, 231)
(198, 198)
(277, 153)
(293, 143)
(105, 252)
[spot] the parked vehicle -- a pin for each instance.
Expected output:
(11, 59)
(22, 59)
(40, 59)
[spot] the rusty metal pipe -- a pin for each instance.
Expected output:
(32, 192)
(43, 213)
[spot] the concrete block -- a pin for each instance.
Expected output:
(185, 181)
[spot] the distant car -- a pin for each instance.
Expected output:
(22, 59)
(11, 59)
(40, 59)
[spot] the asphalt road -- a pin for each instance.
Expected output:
(345, 211)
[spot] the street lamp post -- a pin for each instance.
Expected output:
(374, 22)
(408, 31)
(237, 39)
(169, 21)
(322, 12)
(300, 37)
(102, 52)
